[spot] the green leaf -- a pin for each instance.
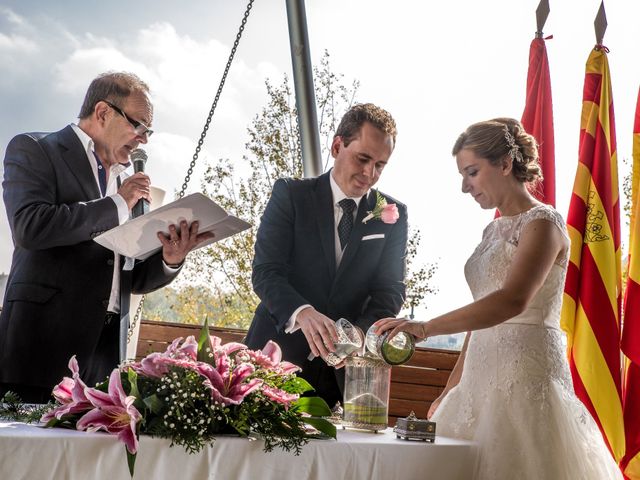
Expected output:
(154, 404)
(54, 422)
(314, 406)
(297, 385)
(204, 343)
(322, 425)
(132, 376)
(131, 461)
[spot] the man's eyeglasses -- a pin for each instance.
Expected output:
(140, 128)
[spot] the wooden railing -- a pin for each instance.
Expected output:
(157, 336)
(419, 382)
(413, 385)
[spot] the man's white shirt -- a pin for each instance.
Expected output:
(338, 195)
(123, 211)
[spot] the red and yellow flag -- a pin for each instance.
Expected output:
(591, 307)
(630, 464)
(537, 118)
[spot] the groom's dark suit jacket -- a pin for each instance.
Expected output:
(59, 285)
(295, 264)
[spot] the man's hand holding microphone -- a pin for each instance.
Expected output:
(136, 192)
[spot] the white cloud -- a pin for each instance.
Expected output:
(17, 44)
(12, 17)
(76, 72)
(169, 157)
(184, 75)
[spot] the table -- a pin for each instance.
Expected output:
(31, 452)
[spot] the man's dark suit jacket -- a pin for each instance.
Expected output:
(295, 264)
(59, 285)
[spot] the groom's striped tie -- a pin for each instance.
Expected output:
(346, 222)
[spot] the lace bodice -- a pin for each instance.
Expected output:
(515, 396)
(488, 266)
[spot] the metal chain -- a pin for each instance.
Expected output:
(215, 100)
(187, 178)
(136, 317)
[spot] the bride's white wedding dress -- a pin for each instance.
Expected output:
(515, 397)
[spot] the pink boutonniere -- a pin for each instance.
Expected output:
(387, 212)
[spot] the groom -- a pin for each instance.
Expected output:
(316, 261)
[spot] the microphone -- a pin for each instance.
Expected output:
(139, 158)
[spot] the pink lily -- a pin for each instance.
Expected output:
(157, 364)
(188, 349)
(227, 348)
(154, 365)
(270, 358)
(279, 396)
(114, 412)
(69, 394)
(226, 386)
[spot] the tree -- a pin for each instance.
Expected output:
(273, 152)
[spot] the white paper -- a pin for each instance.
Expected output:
(138, 237)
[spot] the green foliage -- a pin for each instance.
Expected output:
(418, 278)
(192, 421)
(12, 408)
(203, 342)
(190, 304)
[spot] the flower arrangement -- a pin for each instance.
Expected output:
(387, 212)
(192, 392)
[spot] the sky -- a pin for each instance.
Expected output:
(436, 66)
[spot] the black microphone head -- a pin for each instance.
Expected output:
(138, 158)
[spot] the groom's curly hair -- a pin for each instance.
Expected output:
(352, 122)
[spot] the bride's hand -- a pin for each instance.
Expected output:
(397, 325)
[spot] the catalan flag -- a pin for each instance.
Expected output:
(630, 464)
(591, 306)
(537, 118)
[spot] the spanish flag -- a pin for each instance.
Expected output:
(630, 464)
(591, 306)
(537, 119)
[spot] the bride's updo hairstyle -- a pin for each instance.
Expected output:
(493, 139)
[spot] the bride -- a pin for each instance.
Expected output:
(511, 390)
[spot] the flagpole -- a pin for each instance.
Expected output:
(600, 24)
(542, 13)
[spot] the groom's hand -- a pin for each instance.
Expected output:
(319, 330)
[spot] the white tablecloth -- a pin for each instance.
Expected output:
(30, 452)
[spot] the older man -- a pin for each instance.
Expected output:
(65, 294)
